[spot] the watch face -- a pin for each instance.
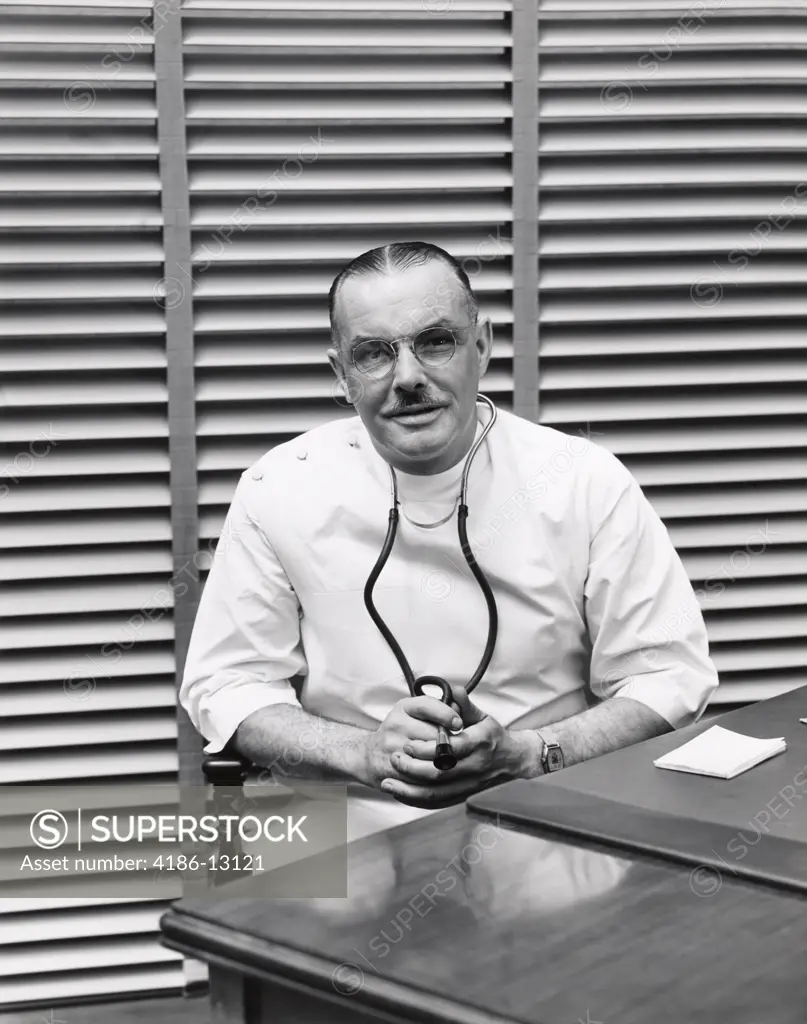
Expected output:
(554, 759)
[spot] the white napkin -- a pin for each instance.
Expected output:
(720, 753)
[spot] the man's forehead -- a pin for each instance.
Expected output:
(399, 302)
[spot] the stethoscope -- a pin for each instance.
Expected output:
(444, 757)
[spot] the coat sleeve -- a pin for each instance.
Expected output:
(245, 645)
(648, 636)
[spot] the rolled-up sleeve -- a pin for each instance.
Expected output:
(245, 645)
(648, 636)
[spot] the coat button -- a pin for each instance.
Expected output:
(257, 475)
(303, 456)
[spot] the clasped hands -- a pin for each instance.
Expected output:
(399, 753)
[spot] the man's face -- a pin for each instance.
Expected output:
(395, 307)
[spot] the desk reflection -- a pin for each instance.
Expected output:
(491, 872)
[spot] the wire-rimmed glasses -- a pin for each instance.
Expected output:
(433, 346)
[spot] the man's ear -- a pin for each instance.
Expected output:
(345, 388)
(484, 344)
(340, 389)
(334, 361)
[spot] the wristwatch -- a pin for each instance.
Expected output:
(551, 756)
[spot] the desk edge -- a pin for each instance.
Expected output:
(293, 968)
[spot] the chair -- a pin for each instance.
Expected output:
(226, 768)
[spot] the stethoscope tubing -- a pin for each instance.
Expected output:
(444, 757)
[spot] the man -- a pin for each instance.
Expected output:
(601, 642)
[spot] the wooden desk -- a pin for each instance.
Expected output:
(533, 930)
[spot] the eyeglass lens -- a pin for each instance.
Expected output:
(433, 347)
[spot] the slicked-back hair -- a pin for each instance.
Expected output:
(394, 257)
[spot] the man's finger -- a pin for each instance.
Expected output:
(437, 795)
(463, 744)
(424, 750)
(429, 709)
(415, 729)
(466, 768)
(428, 796)
(413, 768)
(470, 712)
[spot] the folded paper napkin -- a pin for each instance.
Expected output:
(720, 753)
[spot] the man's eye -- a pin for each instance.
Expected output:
(370, 349)
(436, 339)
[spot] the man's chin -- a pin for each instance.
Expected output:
(420, 451)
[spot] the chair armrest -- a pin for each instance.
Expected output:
(227, 768)
(226, 771)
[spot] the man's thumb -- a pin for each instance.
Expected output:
(469, 712)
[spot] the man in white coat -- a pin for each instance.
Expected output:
(601, 642)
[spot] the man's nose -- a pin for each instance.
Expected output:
(408, 371)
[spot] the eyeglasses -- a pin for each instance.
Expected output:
(433, 346)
